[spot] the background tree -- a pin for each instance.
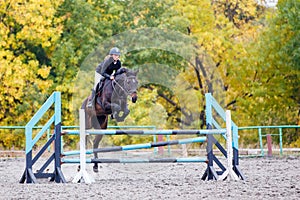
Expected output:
(28, 32)
(269, 75)
(247, 56)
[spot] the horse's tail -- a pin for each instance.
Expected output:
(83, 106)
(88, 123)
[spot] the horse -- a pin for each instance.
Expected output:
(112, 100)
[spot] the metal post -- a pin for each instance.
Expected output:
(169, 147)
(269, 144)
(160, 149)
(260, 142)
(280, 141)
(155, 148)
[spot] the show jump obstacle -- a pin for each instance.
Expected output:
(229, 170)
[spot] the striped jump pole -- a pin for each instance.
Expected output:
(148, 132)
(158, 160)
(138, 146)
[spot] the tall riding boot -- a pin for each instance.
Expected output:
(101, 84)
(91, 99)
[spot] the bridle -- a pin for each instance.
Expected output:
(122, 89)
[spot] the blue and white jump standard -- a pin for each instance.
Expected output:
(212, 104)
(29, 176)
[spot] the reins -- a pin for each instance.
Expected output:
(114, 87)
(122, 88)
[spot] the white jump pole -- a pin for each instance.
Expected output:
(82, 174)
(229, 173)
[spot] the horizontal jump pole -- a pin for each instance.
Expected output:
(138, 146)
(147, 132)
(158, 160)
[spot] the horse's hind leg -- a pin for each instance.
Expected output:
(99, 123)
(97, 140)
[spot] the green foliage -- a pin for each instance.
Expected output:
(85, 24)
(271, 83)
(28, 32)
(247, 56)
(266, 86)
(288, 19)
(12, 139)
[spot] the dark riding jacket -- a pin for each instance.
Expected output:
(107, 67)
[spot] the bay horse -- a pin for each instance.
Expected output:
(112, 100)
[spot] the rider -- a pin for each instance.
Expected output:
(106, 70)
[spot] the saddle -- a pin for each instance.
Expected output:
(99, 87)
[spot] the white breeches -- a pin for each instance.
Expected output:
(97, 79)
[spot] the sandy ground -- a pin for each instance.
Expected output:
(267, 178)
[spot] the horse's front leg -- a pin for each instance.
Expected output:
(115, 108)
(107, 105)
(97, 140)
(120, 116)
(125, 107)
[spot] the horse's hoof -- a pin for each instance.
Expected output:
(95, 169)
(126, 112)
(119, 119)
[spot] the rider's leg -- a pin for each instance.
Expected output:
(101, 84)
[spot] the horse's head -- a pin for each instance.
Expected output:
(129, 82)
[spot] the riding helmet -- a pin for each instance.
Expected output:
(115, 51)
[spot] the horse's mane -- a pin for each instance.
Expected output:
(123, 72)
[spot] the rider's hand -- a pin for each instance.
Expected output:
(112, 77)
